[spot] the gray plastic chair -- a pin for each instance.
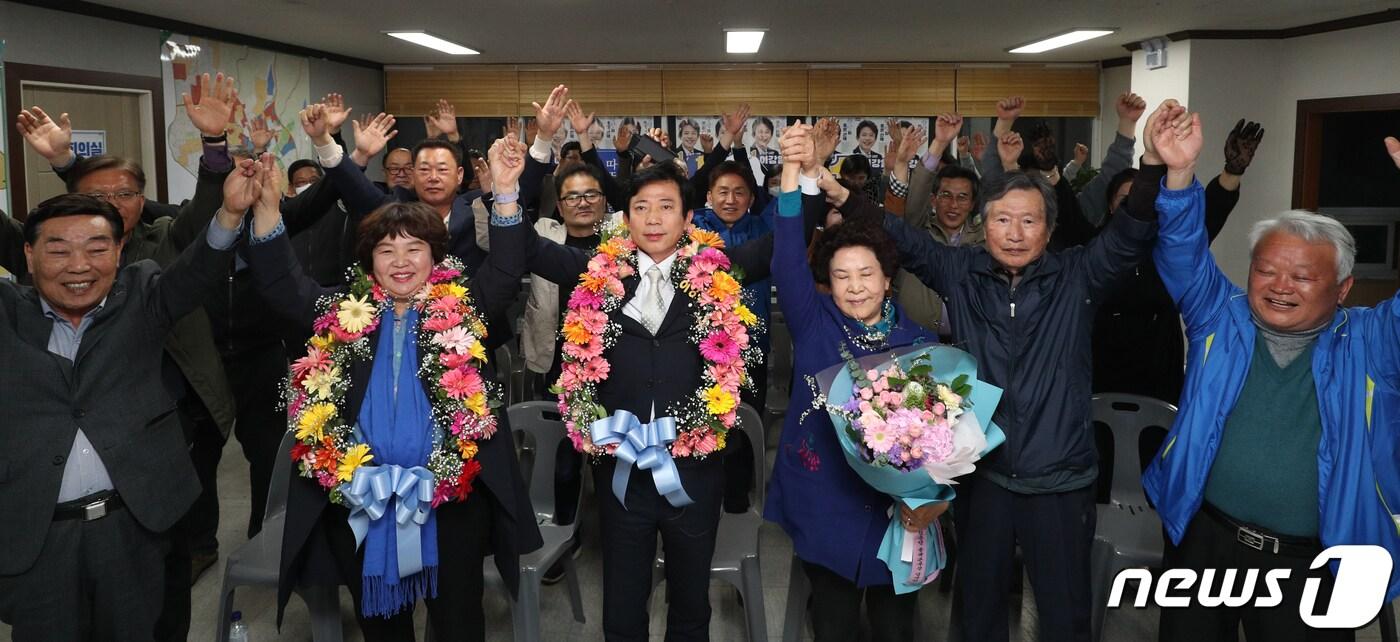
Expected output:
(736, 558)
(258, 562)
(780, 381)
(538, 422)
(1129, 531)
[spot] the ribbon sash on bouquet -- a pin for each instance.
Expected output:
(914, 559)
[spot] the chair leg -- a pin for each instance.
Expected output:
(751, 589)
(324, 604)
(525, 609)
(575, 593)
(795, 619)
(1101, 570)
(225, 609)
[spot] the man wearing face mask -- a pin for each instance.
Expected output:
(1025, 313)
(326, 248)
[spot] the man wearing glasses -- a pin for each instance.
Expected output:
(398, 170)
(951, 223)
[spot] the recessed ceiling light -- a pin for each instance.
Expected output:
(432, 42)
(1062, 40)
(743, 40)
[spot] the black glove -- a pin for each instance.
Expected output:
(1240, 146)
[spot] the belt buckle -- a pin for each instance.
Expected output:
(1255, 540)
(95, 510)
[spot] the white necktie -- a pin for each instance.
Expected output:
(654, 308)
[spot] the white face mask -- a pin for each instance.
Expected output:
(303, 188)
(775, 190)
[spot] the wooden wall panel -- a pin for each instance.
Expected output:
(607, 92)
(695, 92)
(474, 91)
(1052, 91)
(901, 91)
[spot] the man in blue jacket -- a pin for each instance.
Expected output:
(1286, 442)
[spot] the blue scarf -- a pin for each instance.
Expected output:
(396, 421)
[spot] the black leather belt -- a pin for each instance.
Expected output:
(1261, 539)
(95, 506)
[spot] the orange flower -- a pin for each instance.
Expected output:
(593, 283)
(723, 286)
(576, 333)
(327, 457)
(706, 237)
(440, 290)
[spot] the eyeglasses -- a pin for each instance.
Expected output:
(114, 197)
(571, 199)
(399, 171)
(956, 198)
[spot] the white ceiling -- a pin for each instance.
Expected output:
(676, 31)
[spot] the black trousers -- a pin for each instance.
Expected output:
(1209, 543)
(97, 580)
(629, 548)
(1054, 531)
(255, 376)
(464, 540)
(196, 532)
(836, 608)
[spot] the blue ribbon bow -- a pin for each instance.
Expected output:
(368, 494)
(645, 446)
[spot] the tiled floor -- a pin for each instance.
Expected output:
(257, 604)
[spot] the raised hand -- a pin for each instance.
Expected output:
(313, 122)
(909, 146)
(623, 138)
(963, 146)
(46, 137)
(442, 121)
(550, 116)
(1130, 107)
(259, 134)
(482, 170)
(945, 129)
(707, 142)
(507, 161)
(512, 127)
(660, 136)
(798, 150)
(1010, 108)
(214, 109)
(736, 121)
(1240, 146)
(1392, 146)
(979, 145)
(578, 120)
(1009, 148)
(243, 186)
(372, 139)
(336, 112)
(270, 192)
(1169, 110)
(1081, 154)
(896, 132)
(825, 134)
(1179, 142)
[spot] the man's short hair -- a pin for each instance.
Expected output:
(997, 188)
(953, 172)
(867, 123)
(731, 167)
(384, 162)
(415, 218)
(575, 168)
(437, 143)
(855, 164)
(302, 163)
(571, 146)
(662, 173)
(1313, 228)
(92, 164)
(72, 205)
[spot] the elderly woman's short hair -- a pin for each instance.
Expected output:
(1313, 228)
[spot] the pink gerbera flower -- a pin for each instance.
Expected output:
(719, 348)
(595, 370)
(584, 298)
(460, 384)
(445, 305)
(711, 259)
(315, 359)
(440, 323)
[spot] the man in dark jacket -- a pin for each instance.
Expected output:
(1026, 315)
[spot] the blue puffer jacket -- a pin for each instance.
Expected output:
(1356, 365)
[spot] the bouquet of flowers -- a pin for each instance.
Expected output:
(908, 423)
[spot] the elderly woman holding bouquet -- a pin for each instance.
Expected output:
(404, 477)
(835, 519)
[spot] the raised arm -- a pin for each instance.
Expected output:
(1384, 345)
(797, 292)
(356, 190)
(549, 117)
(1093, 199)
(497, 281)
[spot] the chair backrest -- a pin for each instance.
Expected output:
(1127, 416)
(281, 477)
(543, 429)
(751, 423)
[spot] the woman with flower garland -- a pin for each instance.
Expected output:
(404, 476)
(838, 543)
(656, 347)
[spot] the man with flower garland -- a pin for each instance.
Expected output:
(656, 333)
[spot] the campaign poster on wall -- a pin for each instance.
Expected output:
(870, 137)
(603, 132)
(760, 140)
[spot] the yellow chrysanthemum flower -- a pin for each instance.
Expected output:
(321, 382)
(477, 351)
(723, 286)
(468, 448)
(355, 457)
(355, 313)
(456, 290)
(313, 421)
(745, 314)
(718, 400)
(477, 403)
(323, 343)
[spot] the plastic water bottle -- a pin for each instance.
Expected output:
(237, 628)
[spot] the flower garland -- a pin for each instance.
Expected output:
(451, 355)
(724, 325)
